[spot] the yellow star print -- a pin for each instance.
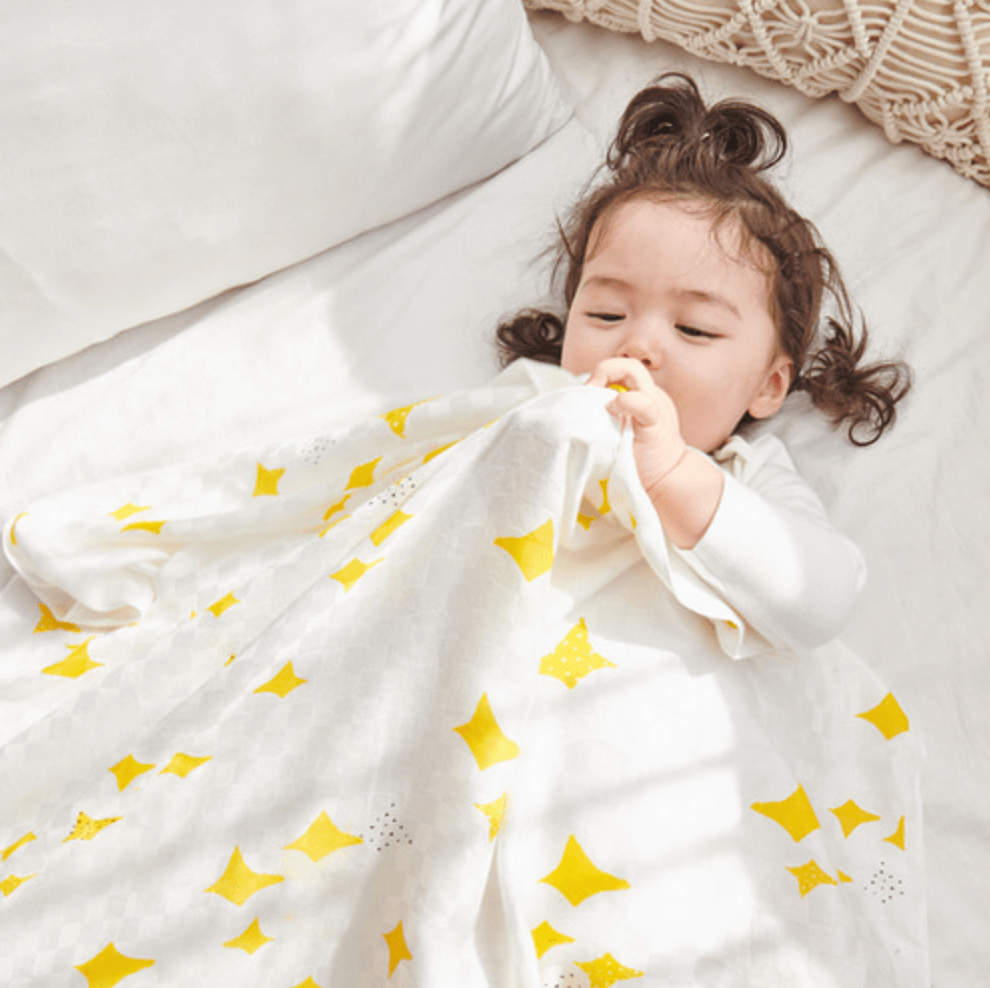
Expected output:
(322, 838)
(380, 534)
(110, 966)
(850, 816)
(795, 814)
(494, 811)
(17, 845)
(577, 877)
(266, 482)
(397, 949)
(13, 527)
(122, 514)
(87, 829)
(49, 622)
(155, 527)
(308, 983)
(11, 883)
(251, 939)
(76, 664)
(887, 717)
(128, 769)
(283, 682)
(533, 552)
(181, 765)
(573, 658)
(238, 882)
(897, 837)
(352, 572)
(396, 418)
(545, 937)
(224, 603)
(810, 876)
(363, 475)
(605, 971)
(485, 738)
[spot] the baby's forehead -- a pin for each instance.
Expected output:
(726, 227)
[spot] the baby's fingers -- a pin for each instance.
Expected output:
(621, 373)
(638, 407)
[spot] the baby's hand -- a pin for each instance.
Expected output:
(657, 443)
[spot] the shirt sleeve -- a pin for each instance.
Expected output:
(771, 553)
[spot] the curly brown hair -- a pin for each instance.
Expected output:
(670, 146)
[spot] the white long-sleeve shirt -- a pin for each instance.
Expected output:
(771, 553)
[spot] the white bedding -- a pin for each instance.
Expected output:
(407, 310)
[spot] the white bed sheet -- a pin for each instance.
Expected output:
(409, 309)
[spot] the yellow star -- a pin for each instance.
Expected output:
(363, 475)
(850, 816)
(810, 876)
(352, 572)
(605, 971)
(440, 449)
(897, 837)
(334, 508)
(218, 607)
(545, 937)
(397, 949)
(128, 769)
(322, 838)
(795, 814)
(155, 527)
(110, 966)
(485, 738)
(585, 520)
(843, 877)
(573, 658)
(49, 622)
(77, 662)
(396, 418)
(606, 507)
(250, 940)
(380, 534)
(887, 717)
(533, 552)
(13, 527)
(87, 829)
(283, 682)
(266, 482)
(122, 514)
(577, 877)
(12, 882)
(494, 811)
(181, 765)
(17, 845)
(308, 983)
(238, 882)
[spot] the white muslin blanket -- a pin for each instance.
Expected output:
(429, 701)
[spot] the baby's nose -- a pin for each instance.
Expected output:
(647, 357)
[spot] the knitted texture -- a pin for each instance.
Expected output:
(918, 68)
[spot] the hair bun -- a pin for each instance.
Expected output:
(668, 122)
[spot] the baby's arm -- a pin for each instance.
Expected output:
(764, 544)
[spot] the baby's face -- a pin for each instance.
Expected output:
(662, 287)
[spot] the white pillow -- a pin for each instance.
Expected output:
(156, 154)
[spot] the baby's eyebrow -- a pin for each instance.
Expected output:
(607, 281)
(712, 298)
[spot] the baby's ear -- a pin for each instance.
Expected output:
(774, 389)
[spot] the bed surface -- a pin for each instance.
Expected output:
(407, 310)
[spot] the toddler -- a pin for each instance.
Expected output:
(695, 291)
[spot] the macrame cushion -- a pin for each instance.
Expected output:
(918, 68)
